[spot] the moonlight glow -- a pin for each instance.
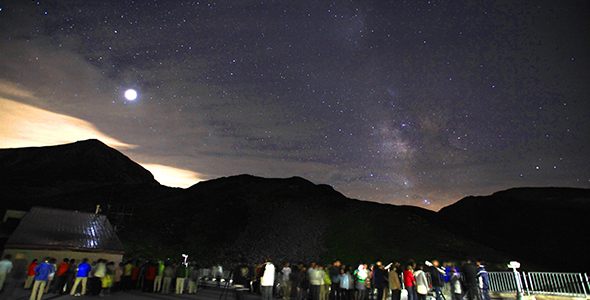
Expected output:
(130, 94)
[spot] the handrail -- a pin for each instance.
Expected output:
(547, 283)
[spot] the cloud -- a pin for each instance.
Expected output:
(171, 176)
(23, 125)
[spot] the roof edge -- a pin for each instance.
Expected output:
(61, 248)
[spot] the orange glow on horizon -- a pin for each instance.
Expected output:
(171, 176)
(23, 125)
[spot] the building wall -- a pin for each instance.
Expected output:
(28, 255)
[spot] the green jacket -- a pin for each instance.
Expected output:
(160, 269)
(182, 272)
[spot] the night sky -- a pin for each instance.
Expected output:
(402, 102)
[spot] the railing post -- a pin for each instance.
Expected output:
(541, 283)
(515, 265)
(528, 283)
(518, 285)
(584, 284)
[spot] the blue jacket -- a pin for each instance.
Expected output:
(83, 270)
(43, 270)
(483, 278)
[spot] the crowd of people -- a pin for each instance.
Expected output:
(68, 276)
(364, 281)
(335, 281)
(102, 277)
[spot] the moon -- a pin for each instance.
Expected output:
(130, 94)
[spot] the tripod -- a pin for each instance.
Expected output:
(225, 285)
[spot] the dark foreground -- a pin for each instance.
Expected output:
(202, 294)
(210, 292)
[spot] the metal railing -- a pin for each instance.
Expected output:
(503, 282)
(558, 283)
(540, 283)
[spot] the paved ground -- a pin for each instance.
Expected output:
(202, 294)
(209, 293)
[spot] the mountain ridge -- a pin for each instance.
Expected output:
(75, 161)
(248, 216)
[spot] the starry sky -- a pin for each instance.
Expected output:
(403, 102)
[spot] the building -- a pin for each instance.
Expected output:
(63, 234)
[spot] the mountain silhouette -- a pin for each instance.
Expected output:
(290, 219)
(547, 225)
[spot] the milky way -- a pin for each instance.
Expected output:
(403, 102)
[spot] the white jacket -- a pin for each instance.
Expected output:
(268, 278)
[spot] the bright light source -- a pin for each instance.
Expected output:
(130, 94)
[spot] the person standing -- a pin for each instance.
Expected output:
(469, 276)
(334, 273)
(193, 278)
(361, 275)
(81, 277)
(436, 272)
(241, 280)
(455, 283)
(159, 276)
(107, 280)
(379, 278)
(409, 282)
(70, 275)
(295, 279)
(483, 281)
(421, 282)
(325, 282)
(100, 274)
(117, 279)
(94, 283)
(52, 261)
(61, 276)
(150, 276)
(346, 284)
(42, 270)
(315, 281)
(135, 274)
(126, 278)
(31, 274)
(5, 268)
(394, 283)
(168, 273)
(267, 279)
(304, 285)
(286, 281)
(181, 275)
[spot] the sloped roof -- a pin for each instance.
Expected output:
(57, 229)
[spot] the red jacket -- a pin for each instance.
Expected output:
(151, 273)
(409, 278)
(63, 267)
(31, 269)
(134, 273)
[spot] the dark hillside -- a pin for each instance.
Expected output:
(291, 219)
(225, 219)
(43, 171)
(547, 225)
